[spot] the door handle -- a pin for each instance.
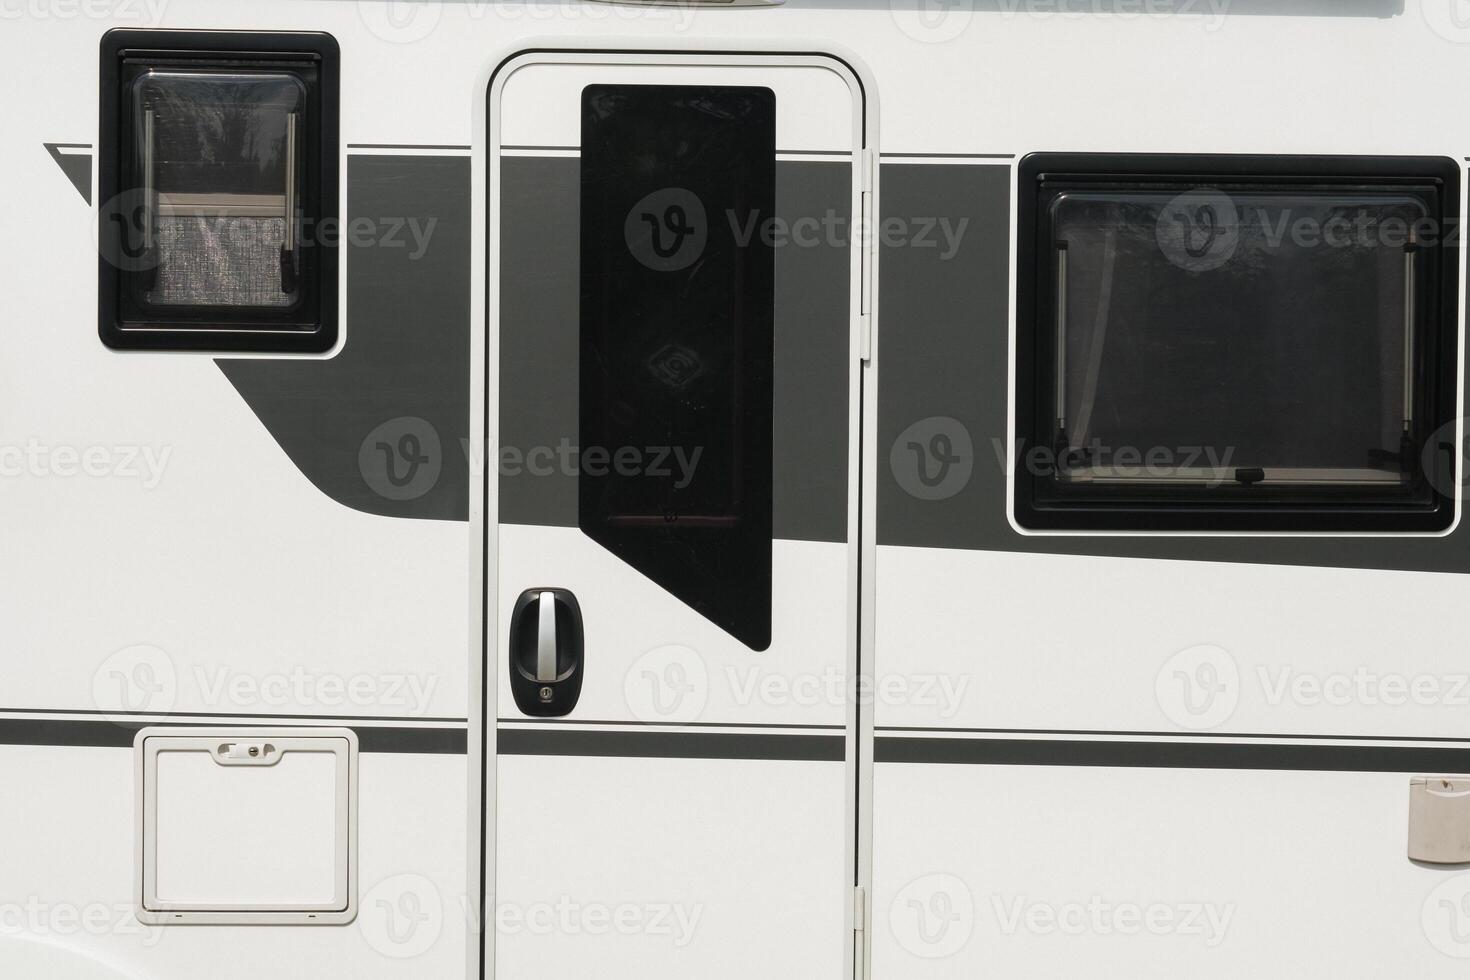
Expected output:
(546, 649)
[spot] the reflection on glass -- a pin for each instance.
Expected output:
(217, 156)
(1236, 336)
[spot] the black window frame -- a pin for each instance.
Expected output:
(1035, 505)
(310, 326)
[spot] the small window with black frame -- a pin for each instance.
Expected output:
(218, 190)
(1236, 343)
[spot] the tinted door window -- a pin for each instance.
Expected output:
(676, 341)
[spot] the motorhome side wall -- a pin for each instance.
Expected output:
(207, 539)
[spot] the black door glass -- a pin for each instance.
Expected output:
(677, 315)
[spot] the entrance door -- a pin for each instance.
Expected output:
(674, 326)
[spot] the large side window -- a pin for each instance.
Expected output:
(1236, 343)
(218, 189)
(677, 337)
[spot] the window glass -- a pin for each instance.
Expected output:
(1287, 355)
(220, 132)
(215, 152)
(676, 341)
(1233, 345)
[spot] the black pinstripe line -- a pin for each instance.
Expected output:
(407, 146)
(211, 717)
(947, 156)
(1172, 755)
(1113, 733)
(672, 745)
(683, 724)
(108, 734)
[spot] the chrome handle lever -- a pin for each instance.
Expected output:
(546, 637)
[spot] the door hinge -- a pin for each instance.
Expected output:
(859, 909)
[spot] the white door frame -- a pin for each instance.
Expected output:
(484, 492)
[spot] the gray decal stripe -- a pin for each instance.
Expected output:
(809, 448)
(1172, 755)
(944, 354)
(76, 166)
(383, 427)
(671, 745)
(538, 327)
(943, 333)
(119, 734)
(539, 348)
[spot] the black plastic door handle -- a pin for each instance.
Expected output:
(546, 649)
